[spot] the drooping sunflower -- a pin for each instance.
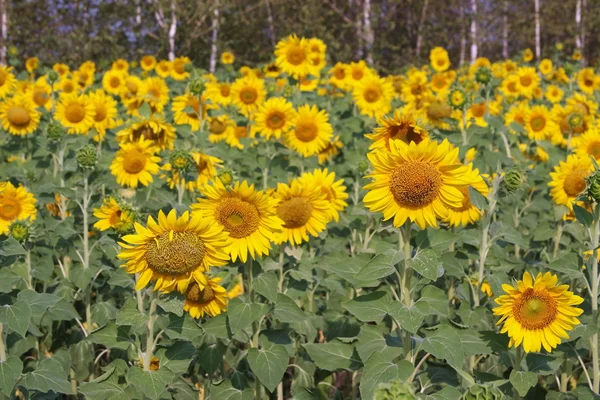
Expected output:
(247, 94)
(173, 251)
(589, 144)
(8, 82)
(163, 68)
(178, 71)
(537, 313)
(206, 298)
(467, 213)
(114, 215)
(31, 64)
(219, 92)
(303, 209)
(440, 61)
(587, 80)
(75, 112)
(113, 81)
(219, 128)
(419, 182)
(335, 191)
(275, 117)
(248, 215)
(398, 127)
(135, 163)
(330, 151)
(154, 129)
(105, 112)
(181, 105)
(16, 204)
(41, 93)
(568, 180)
(19, 115)
(291, 56)
(312, 131)
(373, 96)
(148, 63)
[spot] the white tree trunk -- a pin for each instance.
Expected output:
(270, 22)
(172, 30)
(138, 12)
(3, 31)
(215, 36)
(368, 31)
(359, 34)
(578, 20)
(463, 35)
(538, 44)
(505, 31)
(473, 30)
(420, 28)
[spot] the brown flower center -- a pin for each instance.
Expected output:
(296, 55)
(535, 309)
(248, 95)
(197, 295)
(175, 253)
(224, 89)
(372, 94)
(75, 113)
(275, 120)
(18, 116)
(295, 212)
(306, 131)
(9, 208)
(101, 113)
(238, 217)
(575, 182)
(415, 184)
(538, 123)
(134, 162)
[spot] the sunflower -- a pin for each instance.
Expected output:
(568, 180)
(61, 69)
(19, 115)
(31, 64)
(274, 117)
(399, 127)
(154, 129)
(537, 313)
(178, 71)
(113, 81)
(373, 96)
(66, 85)
(155, 92)
(16, 204)
(227, 58)
(589, 144)
(357, 71)
(206, 298)
(218, 93)
(130, 89)
(173, 251)
(219, 128)
(75, 112)
(248, 215)
(148, 63)
(307, 83)
(419, 182)
(467, 213)
(546, 67)
(539, 123)
(510, 86)
(84, 77)
(330, 151)
(312, 131)
(8, 82)
(554, 94)
(528, 81)
(291, 55)
(120, 65)
(533, 152)
(205, 169)
(440, 82)
(583, 104)
(527, 55)
(163, 68)
(188, 109)
(439, 59)
(335, 191)
(235, 136)
(135, 163)
(247, 94)
(114, 215)
(587, 80)
(303, 209)
(41, 93)
(339, 73)
(105, 112)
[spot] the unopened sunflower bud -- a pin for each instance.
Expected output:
(55, 131)
(226, 178)
(513, 179)
(181, 161)
(483, 75)
(288, 91)
(395, 390)
(457, 99)
(481, 392)
(593, 186)
(575, 120)
(197, 86)
(19, 231)
(363, 166)
(52, 76)
(188, 67)
(87, 156)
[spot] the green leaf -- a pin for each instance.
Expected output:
(177, 357)
(48, 376)
(112, 336)
(433, 301)
(523, 381)
(183, 328)
(39, 302)
(445, 343)
(145, 110)
(62, 311)
(379, 369)
(473, 344)
(477, 199)
(333, 356)
(10, 247)
(10, 371)
(172, 302)
(16, 317)
(427, 264)
(217, 326)
(378, 267)
(583, 215)
(151, 383)
(106, 390)
(447, 393)
(410, 318)
(211, 356)
(371, 340)
(369, 307)
(286, 309)
(129, 315)
(568, 264)
(242, 314)
(268, 365)
(226, 391)
(266, 285)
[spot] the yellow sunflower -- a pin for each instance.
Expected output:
(205, 169)
(568, 180)
(16, 204)
(339, 74)
(155, 92)
(546, 67)
(148, 63)
(399, 127)
(237, 134)
(19, 115)
(163, 68)
(587, 80)
(113, 81)
(303, 209)
(66, 85)
(227, 58)
(247, 94)
(154, 129)
(439, 59)
(178, 71)
(189, 102)
(274, 117)
(75, 112)
(8, 82)
(539, 123)
(173, 251)
(510, 86)
(330, 151)
(537, 313)
(527, 55)
(554, 94)
(528, 81)
(312, 131)
(467, 213)
(41, 93)
(206, 298)
(589, 144)
(373, 96)
(419, 182)
(219, 93)
(291, 56)
(135, 163)
(61, 69)
(105, 112)
(248, 215)
(335, 191)
(357, 71)
(121, 65)
(219, 128)
(114, 215)
(31, 64)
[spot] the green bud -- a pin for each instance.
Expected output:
(457, 99)
(288, 91)
(226, 177)
(363, 166)
(181, 161)
(395, 390)
(87, 156)
(593, 186)
(52, 76)
(19, 231)
(513, 179)
(188, 67)
(483, 75)
(31, 175)
(55, 131)
(575, 120)
(482, 392)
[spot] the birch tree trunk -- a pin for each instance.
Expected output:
(538, 44)
(368, 31)
(172, 30)
(463, 34)
(505, 31)
(138, 12)
(420, 28)
(270, 22)
(473, 30)
(359, 34)
(580, 36)
(3, 31)
(214, 38)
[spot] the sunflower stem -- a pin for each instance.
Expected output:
(594, 238)
(2, 344)
(557, 238)
(518, 358)
(150, 336)
(255, 327)
(406, 275)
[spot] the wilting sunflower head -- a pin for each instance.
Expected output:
(205, 297)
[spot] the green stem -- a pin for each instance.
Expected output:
(255, 327)
(405, 289)
(150, 336)
(518, 358)
(2, 345)
(594, 238)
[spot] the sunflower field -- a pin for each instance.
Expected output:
(300, 229)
